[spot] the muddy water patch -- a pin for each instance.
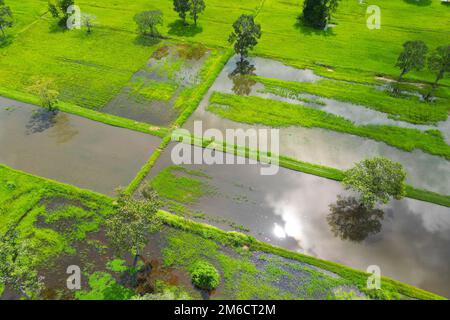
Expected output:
(153, 94)
(71, 149)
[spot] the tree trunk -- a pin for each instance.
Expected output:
(434, 85)
(401, 75)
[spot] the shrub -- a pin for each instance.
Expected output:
(205, 276)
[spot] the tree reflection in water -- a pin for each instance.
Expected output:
(242, 83)
(350, 220)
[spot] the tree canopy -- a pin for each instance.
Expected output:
(413, 57)
(148, 21)
(6, 17)
(195, 8)
(245, 35)
(439, 64)
(129, 228)
(376, 180)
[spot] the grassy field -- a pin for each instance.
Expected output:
(407, 108)
(280, 114)
(80, 65)
(40, 210)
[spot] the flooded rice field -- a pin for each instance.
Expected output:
(152, 94)
(320, 146)
(407, 239)
(69, 148)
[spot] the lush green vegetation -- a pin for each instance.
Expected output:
(409, 108)
(23, 202)
(205, 275)
(279, 114)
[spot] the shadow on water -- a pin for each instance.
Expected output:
(180, 29)
(350, 220)
(41, 120)
(420, 3)
(242, 83)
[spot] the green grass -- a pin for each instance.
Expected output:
(255, 110)
(310, 168)
(80, 63)
(153, 90)
(187, 242)
(409, 109)
(185, 254)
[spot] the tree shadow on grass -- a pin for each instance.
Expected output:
(306, 30)
(179, 29)
(420, 3)
(147, 41)
(6, 41)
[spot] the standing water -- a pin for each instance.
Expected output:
(69, 148)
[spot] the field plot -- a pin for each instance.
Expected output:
(333, 132)
(163, 88)
(290, 209)
(63, 224)
(71, 149)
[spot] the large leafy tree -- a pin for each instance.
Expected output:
(148, 21)
(439, 64)
(413, 57)
(58, 9)
(15, 272)
(195, 8)
(245, 35)
(332, 6)
(6, 17)
(129, 228)
(47, 92)
(349, 219)
(182, 7)
(376, 180)
(315, 13)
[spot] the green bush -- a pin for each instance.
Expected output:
(205, 276)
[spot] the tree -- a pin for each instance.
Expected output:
(129, 228)
(88, 21)
(315, 13)
(376, 180)
(47, 92)
(182, 7)
(439, 64)
(58, 9)
(148, 21)
(332, 6)
(245, 35)
(349, 219)
(6, 17)
(412, 57)
(14, 267)
(195, 8)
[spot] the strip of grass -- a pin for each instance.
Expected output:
(90, 114)
(389, 287)
(310, 168)
(409, 109)
(256, 110)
